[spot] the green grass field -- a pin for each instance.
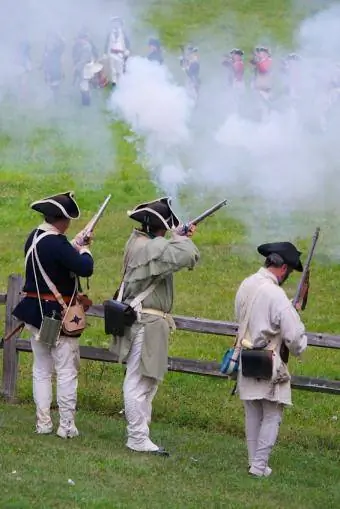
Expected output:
(195, 417)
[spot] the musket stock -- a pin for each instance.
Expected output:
(305, 274)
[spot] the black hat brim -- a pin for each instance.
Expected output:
(144, 213)
(236, 51)
(62, 205)
(287, 251)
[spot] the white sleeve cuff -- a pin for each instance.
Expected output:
(85, 250)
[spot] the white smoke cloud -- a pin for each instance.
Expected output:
(279, 167)
(280, 170)
(28, 110)
(158, 111)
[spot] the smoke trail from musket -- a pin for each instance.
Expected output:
(158, 112)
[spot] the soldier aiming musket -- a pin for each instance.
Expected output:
(53, 310)
(147, 287)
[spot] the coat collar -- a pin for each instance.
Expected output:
(46, 227)
(268, 275)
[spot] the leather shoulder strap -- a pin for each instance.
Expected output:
(53, 289)
(243, 325)
(35, 242)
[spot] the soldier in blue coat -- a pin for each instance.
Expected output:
(155, 51)
(63, 262)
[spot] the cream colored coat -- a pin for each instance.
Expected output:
(272, 320)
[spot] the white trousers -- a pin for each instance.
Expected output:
(139, 392)
(64, 359)
(263, 419)
(116, 61)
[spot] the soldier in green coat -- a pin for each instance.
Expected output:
(149, 263)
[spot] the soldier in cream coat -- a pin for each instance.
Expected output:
(269, 322)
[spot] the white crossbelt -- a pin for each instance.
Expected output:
(166, 316)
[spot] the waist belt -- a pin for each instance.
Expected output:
(161, 314)
(48, 296)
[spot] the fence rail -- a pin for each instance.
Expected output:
(177, 364)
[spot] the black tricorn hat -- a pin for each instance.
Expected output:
(287, 251)
(262, 48)
(157, 214)
(237, 51)
(61, 205)
(293, 56)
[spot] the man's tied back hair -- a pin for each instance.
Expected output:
(51, 219)
(274, 260)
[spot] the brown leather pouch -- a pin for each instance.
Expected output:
(84, 300)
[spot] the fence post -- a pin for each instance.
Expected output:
(10, 354)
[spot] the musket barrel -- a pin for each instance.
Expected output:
(100, 211)
(208, 212)
(92, 223)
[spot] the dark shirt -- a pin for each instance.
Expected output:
(193, 73)
(52, 61)
(62, 263)
(84, 51)
(156, 56)
(193, 70)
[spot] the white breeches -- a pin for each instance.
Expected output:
(263, 419)
(64, 359)
(139, 392)
(116, 61)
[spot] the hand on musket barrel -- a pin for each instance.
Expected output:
(301, 302)
(301, 295)
(189, 228)
(85, 236)
(181, 230)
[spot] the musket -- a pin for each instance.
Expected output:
(86, 232)
(204, 215)
(303, 286)
(302, 290)
(9, 336)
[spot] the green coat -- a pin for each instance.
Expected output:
(145, 259)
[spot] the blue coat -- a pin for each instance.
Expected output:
(155, 56)
(62, 263)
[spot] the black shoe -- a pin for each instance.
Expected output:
(160, 452)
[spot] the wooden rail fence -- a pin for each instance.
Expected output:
(12, 347)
